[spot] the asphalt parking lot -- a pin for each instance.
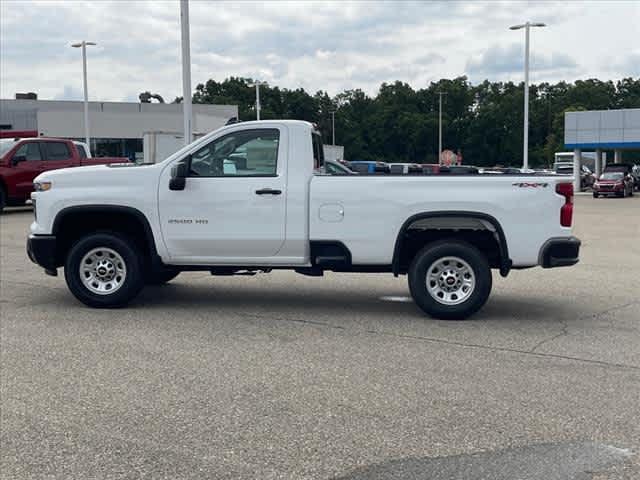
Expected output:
(282, 376)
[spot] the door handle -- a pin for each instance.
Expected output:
(268, 191)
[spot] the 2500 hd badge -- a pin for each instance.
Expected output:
(201, 221)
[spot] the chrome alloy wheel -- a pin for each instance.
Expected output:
(450, 280)
(103, 271)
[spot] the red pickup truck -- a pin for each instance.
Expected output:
(23, 159)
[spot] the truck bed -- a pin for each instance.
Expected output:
(525, 206)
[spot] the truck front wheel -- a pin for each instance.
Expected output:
(104, 270)
(450, 279)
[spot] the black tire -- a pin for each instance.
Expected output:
(475, 259)
(595, 195)
(132, 282)
(160, 278)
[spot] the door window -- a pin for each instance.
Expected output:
(56, 151)
(250, 153)
(30, 150)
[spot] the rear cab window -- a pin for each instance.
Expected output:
(56, 151)
(318, 151)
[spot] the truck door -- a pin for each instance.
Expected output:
(26, 164)
(232, 208)
(57, 155)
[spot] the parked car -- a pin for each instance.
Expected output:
(405, 169)
(369, 167)
(459, 170)
(635, 173)
(113, 237)
(332, 167)
(22, 160)
(430, 168)
(587, 178)
(628, 169)
(613, 183)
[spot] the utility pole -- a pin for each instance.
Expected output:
(440, 93)
(333, 127)
(525, 148)
(83, 45)
(186, 71)
(257, 84)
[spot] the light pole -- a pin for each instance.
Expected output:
(525, 149)
(257, 84)
(440, 93)
(333, 127)
(186, 72)
(83, 45)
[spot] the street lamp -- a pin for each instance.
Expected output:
(83, 45)
(257, 84)
(186, 72)
(441, 93)
(527, 26)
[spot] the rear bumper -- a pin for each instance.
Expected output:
(41, 249)
(560, 252)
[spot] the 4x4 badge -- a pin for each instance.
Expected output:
(530, 184)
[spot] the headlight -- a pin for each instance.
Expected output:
(41, 186)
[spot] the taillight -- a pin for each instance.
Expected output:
(566, 211)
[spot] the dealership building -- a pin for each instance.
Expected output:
(116, 128)
(601, 130)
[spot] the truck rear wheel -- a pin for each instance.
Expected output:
(104, 270)
(450, 279)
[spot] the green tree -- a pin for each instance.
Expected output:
(401, 124)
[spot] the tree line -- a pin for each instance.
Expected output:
(400, 124)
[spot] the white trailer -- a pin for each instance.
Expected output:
(333, 152)
(158, 145)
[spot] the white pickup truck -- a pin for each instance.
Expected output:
(252, 197)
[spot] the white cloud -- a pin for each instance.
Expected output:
(328, 46)
(69, 93)
(500, 60)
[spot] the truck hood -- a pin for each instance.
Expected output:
(90, 175)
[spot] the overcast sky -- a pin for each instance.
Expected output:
(317, 46)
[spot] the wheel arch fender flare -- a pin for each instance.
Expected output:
(505, 261)
(140, 217)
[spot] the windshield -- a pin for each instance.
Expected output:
(612, 176)
(6, 145)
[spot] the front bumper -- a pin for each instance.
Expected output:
(41, 249)
(560, 252)
(608, 189)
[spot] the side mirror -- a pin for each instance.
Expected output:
(179, 173)
(18, 158)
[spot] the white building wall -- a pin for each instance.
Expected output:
(115, 120)
(602, 128)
